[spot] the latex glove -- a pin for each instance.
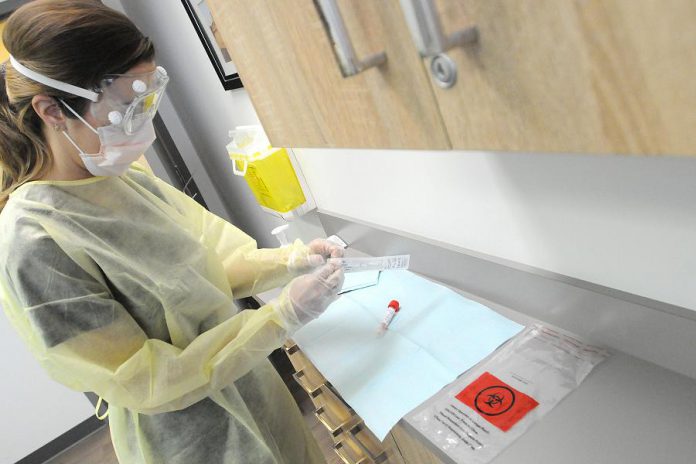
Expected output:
(325, 248)
(309, 295)
(319, 250)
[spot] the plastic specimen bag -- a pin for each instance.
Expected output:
(477, 416)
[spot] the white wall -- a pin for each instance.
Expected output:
(34, 409)
(624, 222)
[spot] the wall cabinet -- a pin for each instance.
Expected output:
(588, 76)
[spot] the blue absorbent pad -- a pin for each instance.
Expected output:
(436, 336)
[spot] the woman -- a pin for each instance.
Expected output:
(122, 285)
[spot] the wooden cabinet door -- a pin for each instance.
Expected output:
(286, 61)
(594, 76)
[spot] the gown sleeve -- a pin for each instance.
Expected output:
(250, 270)
(88, 341)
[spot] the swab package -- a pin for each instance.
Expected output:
(487, 408)
(378, 263)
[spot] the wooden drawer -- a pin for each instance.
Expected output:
(353, 441)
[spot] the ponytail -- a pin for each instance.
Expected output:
(24, 155)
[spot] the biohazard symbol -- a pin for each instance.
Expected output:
(495, 400)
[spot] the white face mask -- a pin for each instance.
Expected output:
(118, 150)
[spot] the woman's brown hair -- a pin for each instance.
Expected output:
(73, 41)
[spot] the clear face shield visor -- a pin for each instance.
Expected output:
(129, 100)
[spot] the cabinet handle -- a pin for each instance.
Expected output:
(348, 61)
(333, 428)
(423, 20)
(346, 456)
(312, 391)
(291, 348)
(368, 443)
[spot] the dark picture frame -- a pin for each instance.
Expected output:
(8, 6)
(213, 44)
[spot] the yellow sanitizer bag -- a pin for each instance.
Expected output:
(267, 170)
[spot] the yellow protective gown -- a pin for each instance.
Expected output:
(124, 286)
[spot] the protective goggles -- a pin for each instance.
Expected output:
(125, 100)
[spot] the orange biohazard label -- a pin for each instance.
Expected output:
(496, 401)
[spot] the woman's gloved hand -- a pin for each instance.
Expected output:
(325, 248)
(309, 295)
(319, 251)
